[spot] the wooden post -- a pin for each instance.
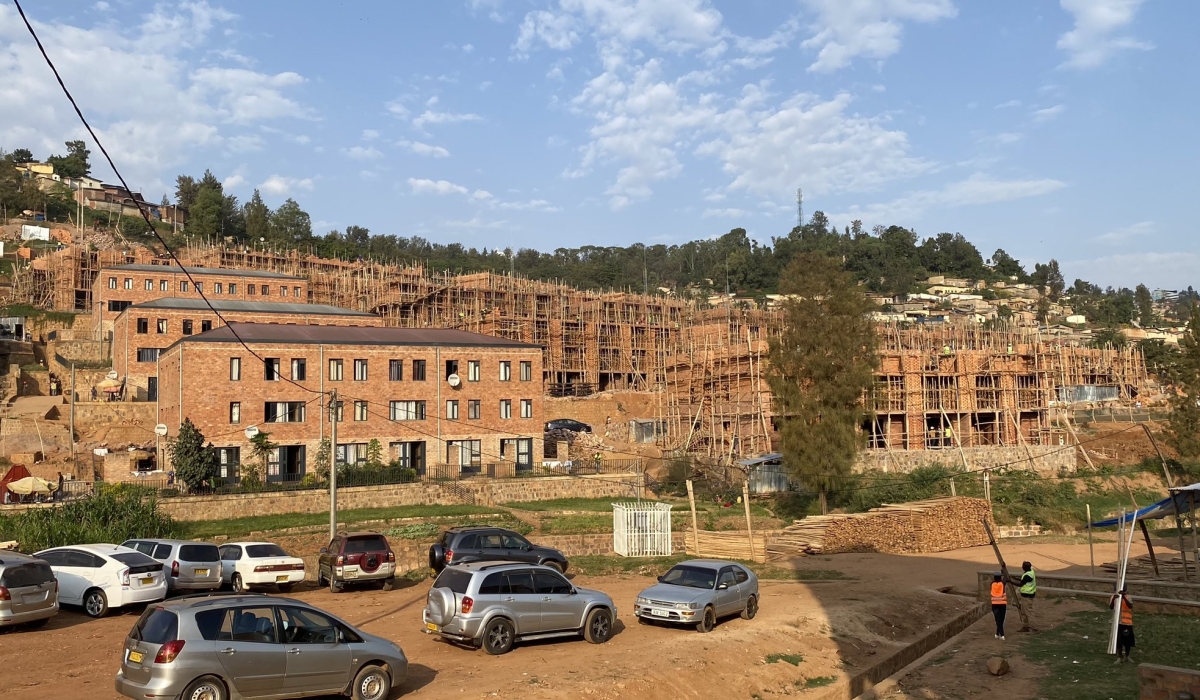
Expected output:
(695, 525)
(953, 492)
(749, 523)
(1175, 500)
(1149, 547)
(1163, 460)
(1071, 429)
(1008, 584)
(1091, 550)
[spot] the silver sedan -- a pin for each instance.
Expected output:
(698, 592)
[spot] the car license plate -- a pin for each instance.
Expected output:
(281, 578)
(200, 572)
(135, 657)
(350, 573)
(659, 612)
(147, 581)
(33, 598)
(431, 627)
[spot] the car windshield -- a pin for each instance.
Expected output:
(199, 552)
(690, 577)
(454, 579)
(156, 626)
(260, 551)
(362, 545)
(35, 573)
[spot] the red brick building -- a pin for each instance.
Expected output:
(121, 286)
(143, 330)
(430, 396)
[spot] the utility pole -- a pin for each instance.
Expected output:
(74, 396)
(799, 206)
(333, 421)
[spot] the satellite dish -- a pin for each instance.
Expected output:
(111, 375)
(160, 430)
(251, 432)
(453, 380)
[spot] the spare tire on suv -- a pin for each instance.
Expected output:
(356, 557)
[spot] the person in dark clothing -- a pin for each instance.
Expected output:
(1125, 640)
(1028, 591)
(58, 493)
(999, 603)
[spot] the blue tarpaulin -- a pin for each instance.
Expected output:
(1178, 502)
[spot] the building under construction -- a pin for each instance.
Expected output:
(938, 385)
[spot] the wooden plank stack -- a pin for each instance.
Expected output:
(734, 544)
(933, 525)
(1170, 567)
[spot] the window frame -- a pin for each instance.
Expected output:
(526, 370)
(235, 369)
(505, 370)
(335, 362)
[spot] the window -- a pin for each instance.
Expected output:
(250, 289)
(360, 370)
(147, 354)
(266, 291)
(187, 326)
(506, 408)
(205, 326)
(338, 412)
(472, 370)
(143, 325)
(521, 583)
(232, 288)
(283, 291)
(305, 626)
(149, 285)
(506, 371)
(112, 282)
(352, 453)
(118, 306)
(161, 325)
(235, 411)
(473, 409)
(360, 410)
(396, 370)
(408, 410)
(740, 574)
(410, 455)
(296, 292)
(525, 453)
(548, 583)
(335, 370)
(526, 371)
(527, 408)
(164, 285)
(235, 369)
(199, 287)
(271, 369)
(283, 412)
(464, 453)
(299, 369)
(229, 458)
(452, 410)
(451, 368)
(249, 625)
(218, 288)
(418, 370)
(183, 285)
(129, 283)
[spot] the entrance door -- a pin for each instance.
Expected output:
(152, 388)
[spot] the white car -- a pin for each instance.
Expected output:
(103, 576)
(246, 564)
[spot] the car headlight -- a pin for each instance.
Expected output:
(643, 601)
(687, 606)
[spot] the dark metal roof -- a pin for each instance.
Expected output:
(350, 335)
(272, 307)
(202, 271)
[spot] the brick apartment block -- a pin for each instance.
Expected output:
(144, 329)
(394, 385)
(120, 286)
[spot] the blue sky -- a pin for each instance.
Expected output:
(1051, 129)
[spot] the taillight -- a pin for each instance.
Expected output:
(391, 556)
(124, 577)
(449, 555)
(4, 594)
(174, 569)
(168, 652)
(260, 569)
(467, 604)
(298, 567)
(341, 560)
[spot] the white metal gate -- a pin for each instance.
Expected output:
(642, 529)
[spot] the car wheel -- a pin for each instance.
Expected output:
(598, 627)
(708, 622)
(238, 585)
(643, 621)
(389, 583)
(751, 608)
(553, 565)
(285, 587)
(204, 688)
(320, 579)
(95, 603)
(498, 637)
(372, 683)
(334, 586)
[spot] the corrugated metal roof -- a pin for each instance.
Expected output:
(202, 271)
(273, 307)
(350, 335)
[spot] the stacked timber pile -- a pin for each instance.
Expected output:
(732, 544)
(1170, 567)
(933, 525)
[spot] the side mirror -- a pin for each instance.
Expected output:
(324, 550)
(660, 579)
(527, 547)
(722, 586)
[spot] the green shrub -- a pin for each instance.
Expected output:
(112, 513)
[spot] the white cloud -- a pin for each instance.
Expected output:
(430, 117)
(846, 29)
(559, 32)
(1172, 270)
(475, 222)
(243, 143)
(1010, 103)
(362, 153)
(531, 205)
(1045, 115)
(672, 25)
(281, 186)
(233, 181)
(1126, 233)
(423, 186)
(1092, 42)
(725, 213)
(975, 190)
(369, 134)
(244, 95)
(101, 6)
(491, 7)
(397, 108)
(424, 149)
(1006, 137)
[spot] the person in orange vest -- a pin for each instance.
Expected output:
(999, 603)
(1125, 640)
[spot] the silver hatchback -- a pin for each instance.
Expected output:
(189, 566)
(227, 647)
(28, 590)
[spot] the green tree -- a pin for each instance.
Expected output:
(1145, 306)
(1049, 279)
(821, 365)
(75, 163)
(22, 155)
(258, 218)
(1184, 429)
(261, 447)
(193, 462)
(1106, 337)
(206, 214)
(186, 191)
(1007, 266)
(289, 224)
(375, 453)
(323, 455)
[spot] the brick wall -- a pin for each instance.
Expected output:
(1167, 682)
(1005, 531)
(1047, 459)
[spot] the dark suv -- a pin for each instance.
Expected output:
(354, 557)
(460, 545)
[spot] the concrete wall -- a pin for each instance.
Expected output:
(1167, 682)
(485, 492)
(1047, 459)
(1184, 593)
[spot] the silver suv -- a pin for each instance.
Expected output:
(492, 605)
(28, 590)
(220, 646)
(189, 566)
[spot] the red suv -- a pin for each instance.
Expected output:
(355, 557)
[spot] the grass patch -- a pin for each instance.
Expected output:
(816, 682)
(793, 659)
(236, 527)
(416, 531)
(597, 505)
(576, 524)
(602, 565)
(1081, 670)
(33, 367)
